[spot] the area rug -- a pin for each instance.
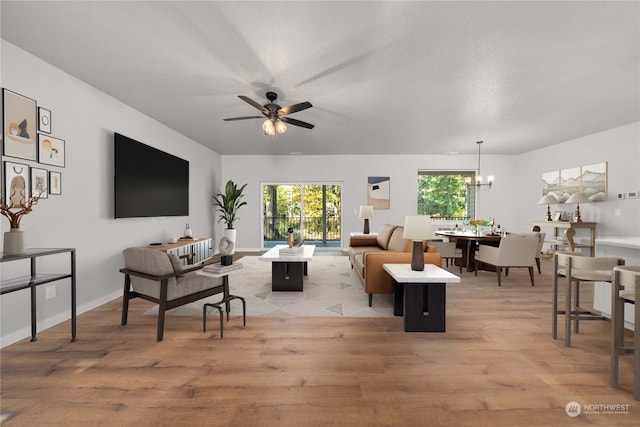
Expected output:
(331, 289)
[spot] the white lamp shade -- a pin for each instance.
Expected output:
(548, 199)
(366, 212)
(417, 227)
(578, 198)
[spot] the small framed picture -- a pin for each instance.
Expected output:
(557, 215)
(18, 125)
(16, 183)
(44, 120)
(55, 183)
(50, 150)
(39, 182)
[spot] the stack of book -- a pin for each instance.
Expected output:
(218, 268)
(296, 250)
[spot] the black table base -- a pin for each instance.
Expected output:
(422, 304)
(288, 276)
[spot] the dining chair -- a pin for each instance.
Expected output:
(625, 289)
(448, 251)
(515, 251)
(540, 236)
(584, 269)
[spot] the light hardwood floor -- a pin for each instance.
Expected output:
(496, 365)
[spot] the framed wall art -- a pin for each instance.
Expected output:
(594, 182)
(44, 120)
(378, 192)
(55, 183)
(40, 182)
(50, 150)
(19, 125)
(16, 183)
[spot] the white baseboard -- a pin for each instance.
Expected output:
(47, 323)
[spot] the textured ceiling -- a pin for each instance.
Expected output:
(383, 77)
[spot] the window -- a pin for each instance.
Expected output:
(312, 208)
(444, 195)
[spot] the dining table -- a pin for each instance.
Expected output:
(467, 241)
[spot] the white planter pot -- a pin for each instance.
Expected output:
(230, 233)
(15, 242)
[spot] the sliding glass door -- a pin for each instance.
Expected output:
(313, 209)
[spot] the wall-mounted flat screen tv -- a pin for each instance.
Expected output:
(148, 181)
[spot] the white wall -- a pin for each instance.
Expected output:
(620, 148)
(352, 173)
(512, 200)
(82, 217)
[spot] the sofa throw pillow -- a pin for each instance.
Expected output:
(176, 262)
(384, 235)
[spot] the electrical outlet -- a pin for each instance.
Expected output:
(50, 292)
(620, 196)
(633, 194)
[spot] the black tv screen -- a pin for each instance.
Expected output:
(148, 181)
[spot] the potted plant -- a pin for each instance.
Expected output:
(228, 204)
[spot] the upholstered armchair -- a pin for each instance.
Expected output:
(161, 278)
(513, 252)
(540, 236)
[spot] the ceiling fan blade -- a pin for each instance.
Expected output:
(243, 118)
(295, 122)
(253, 103)
(294, 108)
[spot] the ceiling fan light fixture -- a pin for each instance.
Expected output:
(268, 127)
(280, 126)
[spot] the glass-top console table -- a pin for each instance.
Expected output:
(36, 279)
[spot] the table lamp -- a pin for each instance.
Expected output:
(547, 200)
(578, 198)
(366, 212)
(418, 229)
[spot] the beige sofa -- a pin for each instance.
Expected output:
(367, 253)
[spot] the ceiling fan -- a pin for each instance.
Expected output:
(275, 115)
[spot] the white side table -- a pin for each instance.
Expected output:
(420, 296)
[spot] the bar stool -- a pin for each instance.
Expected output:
(560, 259)
(584, 269)
(625, 288)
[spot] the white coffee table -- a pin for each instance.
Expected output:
(420, 296)
(288, 271)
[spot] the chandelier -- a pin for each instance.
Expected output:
(478, 182)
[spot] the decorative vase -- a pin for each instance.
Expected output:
(230, 233)
(187, 231)
(15, 242)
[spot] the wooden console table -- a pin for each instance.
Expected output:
(37, 279)
(563, 225)
(194, 250)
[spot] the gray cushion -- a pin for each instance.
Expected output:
(176, 262)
